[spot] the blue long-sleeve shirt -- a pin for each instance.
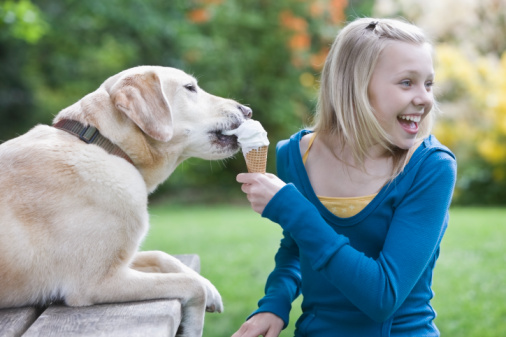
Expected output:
(370, 274)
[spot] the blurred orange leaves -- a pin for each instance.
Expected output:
(337, 8)
(317, 60)
(198, 15)
(290, 21)
(300, 41)
(202, 14)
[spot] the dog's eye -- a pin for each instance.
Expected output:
(191, 87)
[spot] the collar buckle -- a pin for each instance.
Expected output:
(88, 134)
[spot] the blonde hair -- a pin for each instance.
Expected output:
(343, 108)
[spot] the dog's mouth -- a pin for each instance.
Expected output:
(223, 140)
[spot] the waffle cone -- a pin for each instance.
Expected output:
(256, 160)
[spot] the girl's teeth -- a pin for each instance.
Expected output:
(415, 119)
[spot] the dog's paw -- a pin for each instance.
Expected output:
(213, 300)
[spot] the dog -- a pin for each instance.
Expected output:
(73, 200)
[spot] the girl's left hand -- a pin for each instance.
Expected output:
(259, 188)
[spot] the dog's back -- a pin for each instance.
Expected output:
(54, 202)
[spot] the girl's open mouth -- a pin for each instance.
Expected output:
(410, 123)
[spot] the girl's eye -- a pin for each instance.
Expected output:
(429, 84)
(406, 83)
(191, 87)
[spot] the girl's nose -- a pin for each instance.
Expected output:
(424, 97)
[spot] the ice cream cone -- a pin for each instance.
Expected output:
(256, 159)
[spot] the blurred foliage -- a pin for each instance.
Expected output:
(22, 20)
(474, 90)
(265, 54)
(21, 23)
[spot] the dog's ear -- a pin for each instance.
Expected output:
(142, 99)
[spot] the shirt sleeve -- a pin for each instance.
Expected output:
(376, 286)
(283, 284)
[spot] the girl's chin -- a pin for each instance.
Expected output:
(406, 144)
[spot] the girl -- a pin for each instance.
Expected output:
(363, 196)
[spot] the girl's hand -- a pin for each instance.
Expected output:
(259, 188)
(262, 324)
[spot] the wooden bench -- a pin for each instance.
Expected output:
(145, 318)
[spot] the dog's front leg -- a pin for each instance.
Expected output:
(127, 284)
(160, 262)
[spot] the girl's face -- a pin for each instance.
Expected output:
(400, 90)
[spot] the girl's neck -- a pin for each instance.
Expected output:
(334, 172)
(344, 152)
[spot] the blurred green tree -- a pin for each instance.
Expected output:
(21, 23)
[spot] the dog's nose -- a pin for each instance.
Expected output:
(247, 112)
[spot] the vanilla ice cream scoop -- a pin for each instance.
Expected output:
(254, 143)
(250, 135)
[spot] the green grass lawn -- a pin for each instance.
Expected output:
(236, 247)
(470, 276)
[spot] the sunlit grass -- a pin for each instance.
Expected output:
(236, 247)
(470, 276)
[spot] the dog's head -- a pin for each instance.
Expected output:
(159, 116)
(168, 106)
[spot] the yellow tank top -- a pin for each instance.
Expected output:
(342, 207)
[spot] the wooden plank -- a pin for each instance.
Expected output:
(146, 318)
(14, 322)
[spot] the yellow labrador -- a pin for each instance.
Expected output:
(73, 196)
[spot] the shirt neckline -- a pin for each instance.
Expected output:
(311, 195)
